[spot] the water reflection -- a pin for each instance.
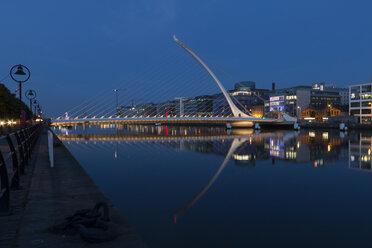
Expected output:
(360, 152)
(235, 145)
(243, 146)
(318, 147)
(154, 185)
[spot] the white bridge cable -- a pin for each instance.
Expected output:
(173, 89)
(230, 77)
(108, 109)
(115, 146)
(205, 86)
(142, 94)
(79, 106)
(145, 94)
(176, 90)
(92, 99)
(82, 147)
(85, 110)
(174, 86)
(175, 103)
(187, 108)
(85, 104)
(105, 104)
(221, 101)
(103, 108)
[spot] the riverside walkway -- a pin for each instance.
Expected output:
(47, 195)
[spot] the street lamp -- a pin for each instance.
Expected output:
(17, 76)
(30, 94)
(299, 111)
(116, 93)
(35, 102)
(117, 99)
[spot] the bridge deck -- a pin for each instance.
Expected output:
(234, 121)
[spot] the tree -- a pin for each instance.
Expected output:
(10, 106)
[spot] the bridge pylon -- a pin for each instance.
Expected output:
(234, 109)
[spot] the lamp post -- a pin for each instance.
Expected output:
(298, 112)
(116, 94)
(30, 94)
(35, 102)
(16, 76)
(117, 100)
(329, 109)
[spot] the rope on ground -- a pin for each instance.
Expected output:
(93, 225)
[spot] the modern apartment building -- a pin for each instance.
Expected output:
(296, 99)
(360, 102)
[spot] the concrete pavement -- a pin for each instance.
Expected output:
(49, 195)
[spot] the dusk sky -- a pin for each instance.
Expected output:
(76, 49)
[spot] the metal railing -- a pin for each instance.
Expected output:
(15, 152)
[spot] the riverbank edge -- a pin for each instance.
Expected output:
(58, 192)
(336, 126)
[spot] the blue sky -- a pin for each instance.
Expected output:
(76, 49)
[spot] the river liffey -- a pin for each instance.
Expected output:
(212, 187)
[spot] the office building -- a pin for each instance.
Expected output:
(360, 102)
(296, 99)
(245, 96)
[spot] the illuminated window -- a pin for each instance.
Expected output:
(325, 135)
(291, 97)
(366, 96)
(366, 104)
(366, 119)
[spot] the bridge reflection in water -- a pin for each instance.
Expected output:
(244, 146)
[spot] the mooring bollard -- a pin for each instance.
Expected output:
(50, 148)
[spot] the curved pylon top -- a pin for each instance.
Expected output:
(234, 109)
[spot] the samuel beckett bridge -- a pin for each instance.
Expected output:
(217, 109)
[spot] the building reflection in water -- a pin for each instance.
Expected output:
(360, 152)
(244, 146)
(305, 146)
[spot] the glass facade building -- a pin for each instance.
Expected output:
(360, 102)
